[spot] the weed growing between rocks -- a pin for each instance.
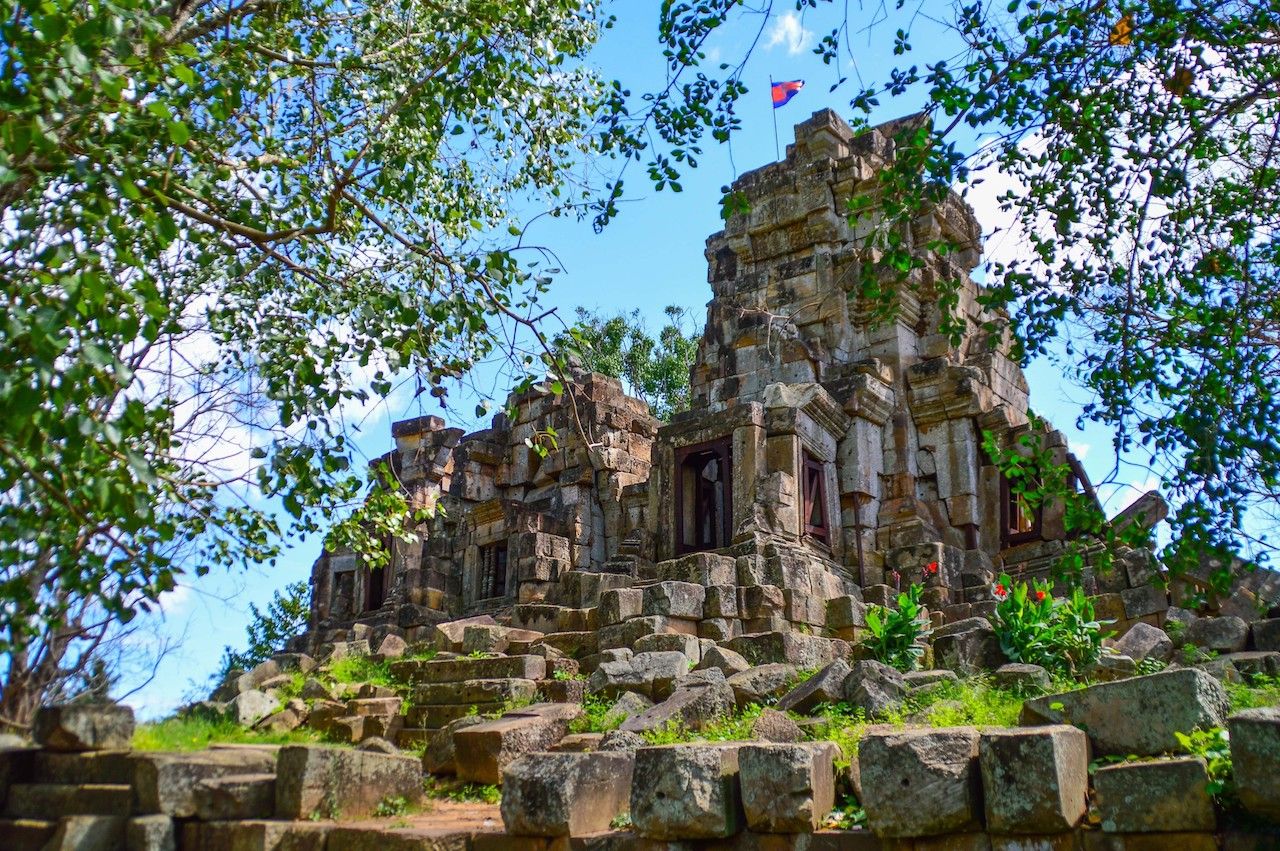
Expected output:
(596, 716)
(461, 792)
(1256, 692)
(361, 669)
(729, 728)
(193, 733)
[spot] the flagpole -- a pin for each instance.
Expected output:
(777, 151)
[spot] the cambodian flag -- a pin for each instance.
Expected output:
(785, 91)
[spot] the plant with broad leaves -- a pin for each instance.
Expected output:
(1214, 747)
(1058, 634)
(896, 636)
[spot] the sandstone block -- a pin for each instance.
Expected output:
(1255, 756)
(339, 782)
(1034, 780)
(235, 797)
(484, 750)
(419, 671)
(620, 604)
(1155, 797)
(87, 833)
(761, 684)
(721, 602)
(565, 794)
(724, 660)
(392, 647)
(826, 686)
(674, 599)
(84, 727)
(1019, 676)
(774, 726)
(1167, 702)
(1144, 641)
(793, 648)
(691, 707)
(150, 833)
(760, 601)
(787, 788)
(686, 792)
(624, 635)
(671, 642)
(969, 646)
(438, 757)
(846, 612)
(1266, 634)
(1144, 600)
(258, 836)
(874, 687)
(698, 568)
(920, 782)
(166, 782)
(1226, 634)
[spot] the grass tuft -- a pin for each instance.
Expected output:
(194, 733)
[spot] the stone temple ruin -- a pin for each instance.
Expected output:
(572, 627)
(823, 454)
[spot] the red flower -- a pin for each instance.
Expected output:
(1001, 591)
(932, 567)
(1039, 596)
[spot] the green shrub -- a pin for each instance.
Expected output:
(596, 717)
(1214, 747)
(897, 635)
(361, 669)
(1059, 634)
(192, 732)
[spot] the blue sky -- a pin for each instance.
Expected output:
(648, 258)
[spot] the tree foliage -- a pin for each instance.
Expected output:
(287, 615)
(654, 369)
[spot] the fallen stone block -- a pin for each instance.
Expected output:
(826, 686)
(698, 568)
(1254, 662)
(720, 601)
(671, 642)
(967, 647)
(1265, 634)
(1227, 634)
(562, 691)
(686, 792)
(235, 797)
(761, 684)
(475, 691)
(787, 788)
(774, 726)
(331, 782)
(392, 647)
(624, 635)
(484, 750)
(724, 660)
(874, 687)
(1167, 703)
(449, 635)
(256, 836)
(1021, 677)
(1144, 641)
(565, 794)
(920, 782)
(1034, 780)
(650, 674)
(692, 707)
(1255, 757)
(792, 648)
(1159, 796)
(84, 727)
(166, 782)
(620, 604)
(439, 755)
(419, 671)
(846, 612)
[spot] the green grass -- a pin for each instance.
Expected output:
(467, 793)
(595, 716)
(194, 733)
(1259, 691)
(967, 702)
(361, 669)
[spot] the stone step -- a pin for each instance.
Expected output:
(85, 767)
(421, 671)
(474, 691)
(438, 716)
(26, 834)
(54, 800)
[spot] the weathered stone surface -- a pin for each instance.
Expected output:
(721, 602)
(826, 686)
(1155, 797)
(565, 794)
(1167, 703)
(969, 646)
(761, 684)
(787, 788)
(650, 674)
(1255, 757)
(236, 796)
(150, 833)
(724, 660)
(620, 604)
(686, 792)
(87, 833)
(260, 836)
(674, 599)
(484, 750)
(1254, 662)
(926, 680)
(622, 740)
(774, 726)
(920, 782)
(1019, 676)
(874, 687)
(392, 647)
(166, 782)
(475, 691)
(84, 727)
(449, 635)
(846, 612)
(1144, 641)
(525, 667)
(339, 782)
(250, 707)
(377, 744)
(1034, 780)
(793, 648)
(692, 706)
(629, 703)
(1226, 634)
(1265, 634)
(670, 642)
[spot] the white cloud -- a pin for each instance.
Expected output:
(789, 31)
(1079, 449)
